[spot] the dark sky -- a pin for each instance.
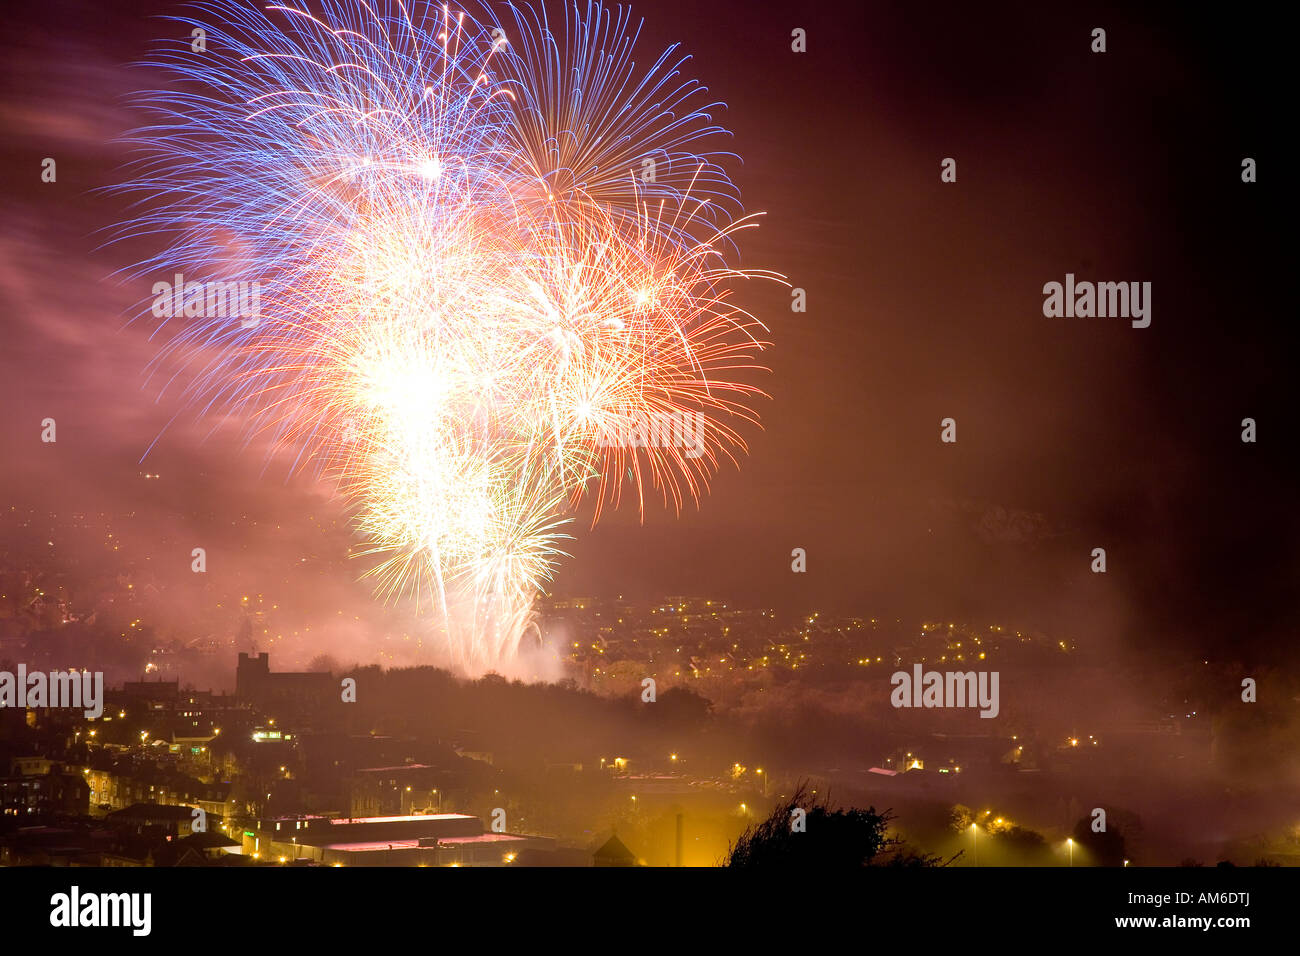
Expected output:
(924, 301)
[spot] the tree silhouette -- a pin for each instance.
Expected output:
(1104, 849)
(830, 838)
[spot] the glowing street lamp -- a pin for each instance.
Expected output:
(1070, 843)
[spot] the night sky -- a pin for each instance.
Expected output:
(924, 301)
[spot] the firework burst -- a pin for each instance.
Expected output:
(488, 253)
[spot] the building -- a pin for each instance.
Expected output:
(59, 846)
(197, 849)
(256, 684)
(613, 852)
(168, 710)
(155, 819)
(397, 791)
(52, 792)
(435, 839)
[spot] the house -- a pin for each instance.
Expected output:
(614, 852)
(146, 818)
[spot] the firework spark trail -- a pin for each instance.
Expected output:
(482, 249)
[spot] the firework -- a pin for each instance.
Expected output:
(483, 248)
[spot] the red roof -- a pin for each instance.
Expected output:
(415, 844)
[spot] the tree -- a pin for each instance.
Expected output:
(1023, 847)
(960, 817)
(681, 709)
(1103, 849)
(827, 839)
(323, 663)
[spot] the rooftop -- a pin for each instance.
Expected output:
(340, 821)
(415, 844)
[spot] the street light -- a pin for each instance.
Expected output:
(975, 843)
(1070, 843)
